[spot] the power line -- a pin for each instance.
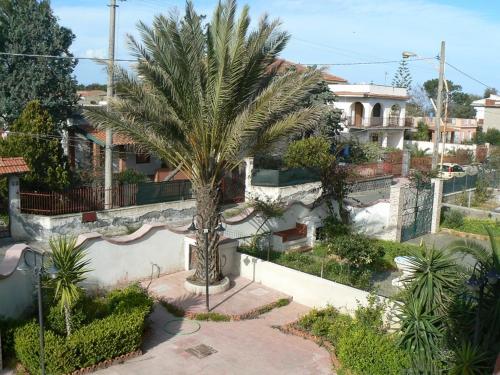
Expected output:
(468, 75)
(34, 55)
(369, 62)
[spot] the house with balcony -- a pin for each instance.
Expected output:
(373, 113)
(457, 130)
(488, 112)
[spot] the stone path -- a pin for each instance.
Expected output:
(243, 296)
(244, 348)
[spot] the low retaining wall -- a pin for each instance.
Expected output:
(114, 221)
(306, 289)
(473, 212)
(376, 183)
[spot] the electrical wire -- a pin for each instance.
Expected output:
(468, 75)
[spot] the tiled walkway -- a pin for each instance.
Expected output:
(243, 296)
(242, 348)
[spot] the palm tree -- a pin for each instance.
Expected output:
(68, 259)
(204, 98)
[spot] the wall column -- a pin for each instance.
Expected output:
(396, 212)
(15, 222)
(248, 177)
(384, 139)
(405, 168)
(436, 204)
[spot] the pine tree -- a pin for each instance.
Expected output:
(34, 136)
(402, 78)
(30, 27)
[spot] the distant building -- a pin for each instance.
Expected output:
(282, 66)
(488, 112)
(91, 97)
(458, 130)
(373, 113)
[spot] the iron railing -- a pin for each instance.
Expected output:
(91, 198)
(389, 121)
(458, 184)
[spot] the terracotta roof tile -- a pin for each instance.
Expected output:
(13, 166)
(99, 136)
(282, 65)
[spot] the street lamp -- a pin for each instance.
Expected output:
(193, 228)
(38, 272)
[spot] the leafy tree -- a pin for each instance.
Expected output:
(402, 77)
(490, 91)
(92, 86)
(207, 98)
(69, 260)
(422, 133)
(34, 136)
(315, 152)
(492, 136)
(460, 103)
(30, 27)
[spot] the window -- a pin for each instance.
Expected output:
(375, 137)
(457, 168)
(376, 110)
(142, 158)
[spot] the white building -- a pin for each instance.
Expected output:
(373, 113)
(488, 112)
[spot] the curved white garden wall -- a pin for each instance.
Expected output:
(306, 289)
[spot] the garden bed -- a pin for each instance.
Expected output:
(105, 330)
(319, 263)
(457, 223)
(357, 346)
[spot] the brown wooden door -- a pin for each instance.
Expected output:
(358, 114)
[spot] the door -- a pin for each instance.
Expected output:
(358, 114)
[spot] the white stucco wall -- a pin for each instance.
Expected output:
(372, 221)
(448, 146)
(160, 251)
(306, 289)
(16, 294)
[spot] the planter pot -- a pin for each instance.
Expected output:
(221, 287)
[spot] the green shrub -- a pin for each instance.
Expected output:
(122, 300)
(372, 315)
(453, 219)
(308, 320)
(108, 338)
(364, 351)
(56, 321)
(59, 357)
(357, 250)
(7, 329)
(118, 333)
(338, 326)
(333, 227)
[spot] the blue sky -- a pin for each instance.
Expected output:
(329, 31)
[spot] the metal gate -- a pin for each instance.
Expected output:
(417, 211)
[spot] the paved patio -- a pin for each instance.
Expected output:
(243, 296)
(244, 348)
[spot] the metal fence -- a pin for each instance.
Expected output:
(283, 177)
(85, 199)
(458, 184)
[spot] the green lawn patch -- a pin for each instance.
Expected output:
(476, 226)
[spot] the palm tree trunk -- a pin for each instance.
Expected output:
(208, 207)
(67, 318)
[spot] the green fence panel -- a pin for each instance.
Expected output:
(157, 192)
(286, 177)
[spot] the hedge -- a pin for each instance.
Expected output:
(116, 334)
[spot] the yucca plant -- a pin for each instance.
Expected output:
(69, 260)
(421, 330)
(434, 276)
(470, 360)
(203, 97)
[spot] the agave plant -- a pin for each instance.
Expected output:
(204, 97)
(69, 260)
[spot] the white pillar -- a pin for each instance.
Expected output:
(248, 177)
(15, 223)
(384, 139)
(436, 204)
(396, 212)
(312, 224)
(405, 168)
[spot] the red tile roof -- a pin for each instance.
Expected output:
(99, 136)
(282, 65)
(13, 166)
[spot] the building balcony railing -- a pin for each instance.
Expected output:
(376, 122)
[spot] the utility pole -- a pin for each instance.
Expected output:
(108, 157)
(439, 108)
